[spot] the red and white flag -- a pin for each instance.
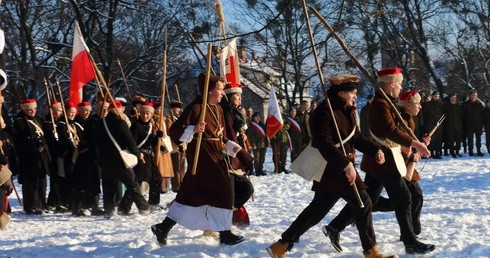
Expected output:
(82, 70)
(274, 120)
(229, 64)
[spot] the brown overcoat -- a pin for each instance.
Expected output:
(384, 125)
(211, 184)
(324, 137)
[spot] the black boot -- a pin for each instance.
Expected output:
(334, 236)
(419, 248)
(228, 238)
(161, 230)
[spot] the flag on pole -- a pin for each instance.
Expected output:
(274, 120)
(229, 64)
(82, 71)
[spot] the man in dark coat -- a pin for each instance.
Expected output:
(486, 123)
(113, 167)
(145, 137)
(472, 121)
(259, 141)
(340, 174)
(433, 110)
(279, 145)
(364, 116)
(33, 155)
(295, 133)
(386, 129)
(303, 118)
(178, 152)
(453, 126)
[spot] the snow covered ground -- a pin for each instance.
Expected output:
(456, 218)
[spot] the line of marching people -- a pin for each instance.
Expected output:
(70, 151)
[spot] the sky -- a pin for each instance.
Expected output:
(455, 217)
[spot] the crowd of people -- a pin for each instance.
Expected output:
(207, 152)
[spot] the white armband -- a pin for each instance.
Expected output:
(188, 134)
(229, 148)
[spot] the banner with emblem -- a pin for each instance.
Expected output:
(229, 64)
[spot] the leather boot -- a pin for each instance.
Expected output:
(278, 249)
(161, 230)
(228, 238)
(373, 253)
(334, 235)
(419, 248)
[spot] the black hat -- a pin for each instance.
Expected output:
(213, 79)
(435, 93)
(175, 104)
(344, 82)
(370, 96)
(256, 114)
(473, 90)
(452, 94)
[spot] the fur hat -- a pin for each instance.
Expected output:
(232, 88)
(147, 107)
(213, 80)
(344, 82)
(411, 96)
(69, 105)
(26, 104)
(84, 106)
(123, 101)
(99, 105)
(56, 105)
(175, 104)
(392, 74)
(115, 104)
(137, 100)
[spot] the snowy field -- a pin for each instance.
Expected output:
(455, 217)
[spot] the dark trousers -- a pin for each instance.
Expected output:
(155, 186)
(400, 198)
(242, 188)
(477, 136)
(54, 198)
(279, 155)
(384, 205)
(110, 178)
(259, 159)
(34, 192)
(321, 205)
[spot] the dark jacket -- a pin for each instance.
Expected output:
(108, 154)
(472, 116)
(324, 137)
(140, 130)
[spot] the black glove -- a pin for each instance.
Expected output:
(249, 170)
(159, 134)
(8, 187)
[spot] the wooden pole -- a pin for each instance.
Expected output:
(55, 133)
(70, 135)
(203, 108)
(124, 78)
(161, 125)
(322, 81)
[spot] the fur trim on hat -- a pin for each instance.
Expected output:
(27, 104)
(147, 107)
(84, 106)
(390, 75)
(99, 105)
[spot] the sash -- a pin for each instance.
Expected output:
(146, 138)
(290, 142)
(348, 138)
(295, 124)
(258, 128)
(39, 130)
(396, 151)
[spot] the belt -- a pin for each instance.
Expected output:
(146, 151)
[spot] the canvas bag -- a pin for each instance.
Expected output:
(130, 160)
(395, 155)
(310, 163)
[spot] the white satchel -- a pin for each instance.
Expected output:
(310, 164)
(130, 160)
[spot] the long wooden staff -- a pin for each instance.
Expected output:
(177, 91)
(364, 71)
(193, 40)
(161, 125)
(55, 132)
(203, 108)
(70, 135)
(124, 78)
(322, 81)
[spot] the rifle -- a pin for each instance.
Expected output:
(55, 132)
(124, 78)
(70, 135)
(162, 126)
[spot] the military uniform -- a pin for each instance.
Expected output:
(296, 135)
(259, 141)
(453, 128)
(486, 124)
(279, 144)
(433, 110)
(473, 125)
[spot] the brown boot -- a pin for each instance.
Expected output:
(373, 253)
(278, 249)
